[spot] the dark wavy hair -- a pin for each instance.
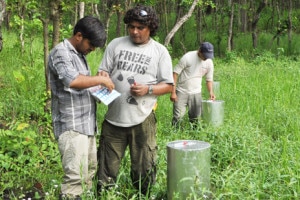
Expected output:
(92, 29)
(144, 15)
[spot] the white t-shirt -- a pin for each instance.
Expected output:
(145, 64)
(190, 69)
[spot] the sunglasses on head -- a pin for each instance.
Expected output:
(143, 13)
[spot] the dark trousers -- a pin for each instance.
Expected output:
(141, 140)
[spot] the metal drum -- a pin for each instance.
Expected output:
(188, 169)
(213, 112)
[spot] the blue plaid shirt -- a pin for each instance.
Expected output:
(72, 109)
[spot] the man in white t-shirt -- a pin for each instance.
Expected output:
(141, 69)
(187, 87)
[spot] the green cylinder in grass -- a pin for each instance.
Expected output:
(213, 112)
(188, 169)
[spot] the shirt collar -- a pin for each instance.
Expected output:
(68, 44)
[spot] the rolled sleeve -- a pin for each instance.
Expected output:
(64, 67)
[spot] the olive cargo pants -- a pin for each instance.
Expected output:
(141, 140)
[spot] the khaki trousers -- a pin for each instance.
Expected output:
(79, 161)
(192, 102)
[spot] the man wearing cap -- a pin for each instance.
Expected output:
(187, 87)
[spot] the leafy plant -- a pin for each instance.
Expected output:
(254, 153)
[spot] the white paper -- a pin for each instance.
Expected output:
(103, 94)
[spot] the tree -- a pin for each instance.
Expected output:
(180, 22)
(256, 17)
(21, 13)
(176, 17)
(230, 28)
(55, 6)
(115, 7)
(2, 12)
(243, 21)
(290, 25)
(81, 10)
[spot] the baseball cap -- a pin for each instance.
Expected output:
(207, 49)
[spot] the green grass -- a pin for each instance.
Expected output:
(254, 154)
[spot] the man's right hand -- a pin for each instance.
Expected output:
(107, 82)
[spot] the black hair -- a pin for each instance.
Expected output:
(92, 29)
(144, 15)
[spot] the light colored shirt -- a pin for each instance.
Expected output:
(190, 69)
(128, 63)
(72, 109)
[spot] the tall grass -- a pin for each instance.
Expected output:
(254, 154)
(258, 145)
(22, 78)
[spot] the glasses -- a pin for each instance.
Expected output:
(143, 13)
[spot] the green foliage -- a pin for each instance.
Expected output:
(29, 19)
(66, 32)
(23, 72)
(24, 152)
(254, 154)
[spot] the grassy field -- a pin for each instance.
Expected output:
(254, 154)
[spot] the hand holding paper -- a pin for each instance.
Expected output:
(103, 94)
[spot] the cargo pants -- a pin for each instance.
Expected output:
(141, 140)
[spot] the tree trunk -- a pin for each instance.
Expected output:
(55, 16)
(76, 13)
(279, 30)
(290, 25)
(81, 10)
(166, 17)
(230, 28)
(22, 18)
(199, 24)
(110, 10)
(256, 18)
(46, 48)
(119, 19)
(95, 8)
(108, 20)
(46, 54)
(243, 16)
(55, 10)
(2, 12)
(180, 22)
(217, 18)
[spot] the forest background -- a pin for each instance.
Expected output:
(183, 23)
(254, 154)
